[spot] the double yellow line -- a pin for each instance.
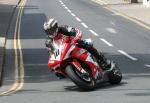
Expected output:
(19, 66)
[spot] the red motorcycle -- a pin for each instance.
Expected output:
(81, 66)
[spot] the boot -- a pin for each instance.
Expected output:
(106, 65)
(103, 62)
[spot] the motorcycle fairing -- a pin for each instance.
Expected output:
(85, 56)
(64, 50)
(59, 53)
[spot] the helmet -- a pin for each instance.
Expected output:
(51, 27)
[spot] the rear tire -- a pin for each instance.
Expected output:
(115, 76)
(78, 80)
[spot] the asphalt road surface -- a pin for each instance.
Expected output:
(27, 78)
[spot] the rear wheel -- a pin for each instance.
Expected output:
(115, 76)
(83, 81)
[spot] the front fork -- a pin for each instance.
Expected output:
(78, 66)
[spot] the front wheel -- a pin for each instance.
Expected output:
(83, 81)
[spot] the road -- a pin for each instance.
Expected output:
(27, 77)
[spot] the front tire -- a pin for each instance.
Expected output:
(73, 74)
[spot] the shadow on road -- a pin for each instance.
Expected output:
(139, 94)
(101, 87)
(6, 11)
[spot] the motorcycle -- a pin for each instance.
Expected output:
(80, 66)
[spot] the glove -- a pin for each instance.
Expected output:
(88, 42)
(48, 42)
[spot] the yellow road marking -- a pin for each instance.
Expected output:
(21, 55)
(19, 79)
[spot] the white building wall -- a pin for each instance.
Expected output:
(146, 2)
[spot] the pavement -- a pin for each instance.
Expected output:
(135, 12)
(7, 8)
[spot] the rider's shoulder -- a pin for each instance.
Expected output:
(66, 28)
(63, 26)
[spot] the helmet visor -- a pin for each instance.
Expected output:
(52, 32)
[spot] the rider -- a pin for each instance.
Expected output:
(55, 32)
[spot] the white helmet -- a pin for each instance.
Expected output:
(51, 27)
